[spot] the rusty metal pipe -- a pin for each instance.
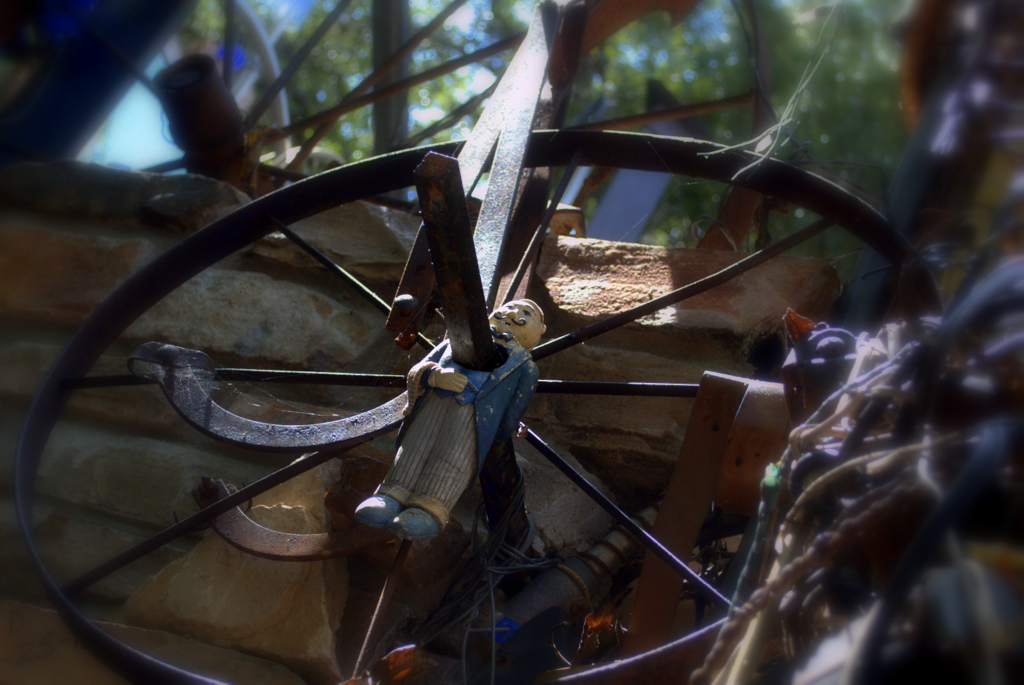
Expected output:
(203, 117)
(556, 587)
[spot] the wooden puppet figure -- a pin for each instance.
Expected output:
(455, 415)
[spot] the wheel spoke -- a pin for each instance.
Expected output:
(702, 586)
(370, 296)
(614, 388)
(319, 256)
(200, 518)
(696, 109)
(232, 375)
(184, 377)
(462, 110)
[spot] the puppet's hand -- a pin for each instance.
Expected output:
(448, 379)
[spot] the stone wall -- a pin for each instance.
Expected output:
(121, 464)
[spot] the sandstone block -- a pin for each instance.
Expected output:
(71, 544)
(567, 521)
(372, 242)
(588, 280)
(253, 317)
(181, 202)
(35, 647)
(284, 611)
(136, 408)
(631, 443)
(59, 278)
(137, 479)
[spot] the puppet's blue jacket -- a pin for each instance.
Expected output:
(499, 397)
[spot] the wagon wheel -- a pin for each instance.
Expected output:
(321, 192)
(364, 179)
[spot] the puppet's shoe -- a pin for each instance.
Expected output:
(414, 524)
(377, 511)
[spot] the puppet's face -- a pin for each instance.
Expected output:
(523, 319)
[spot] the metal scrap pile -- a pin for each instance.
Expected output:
(896, 554)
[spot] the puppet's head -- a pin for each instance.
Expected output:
(522, 319)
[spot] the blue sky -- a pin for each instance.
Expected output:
(135, 135)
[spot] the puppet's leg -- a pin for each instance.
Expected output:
(451, 466)
(413, 453)
(420, 437)
(445, 476)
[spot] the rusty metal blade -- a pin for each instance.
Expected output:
(242, 532)
(503, 184)
(480, 145)
(418, 277)
(184, 376)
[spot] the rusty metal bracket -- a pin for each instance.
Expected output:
(413, 294)
(759, 435)
(240, 531)
(684, 508)
(449, 237)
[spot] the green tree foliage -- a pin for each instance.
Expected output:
(846, 121)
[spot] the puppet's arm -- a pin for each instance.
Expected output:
(428, 372)
(417, 379)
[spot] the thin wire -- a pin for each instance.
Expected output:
(775, 133)
(470, 588)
